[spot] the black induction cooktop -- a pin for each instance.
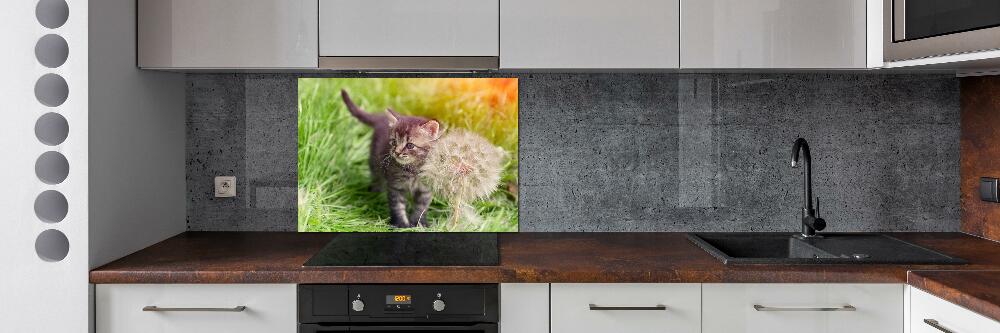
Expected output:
(409, 249)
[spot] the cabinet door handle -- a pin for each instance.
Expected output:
(657, 307)
(848, 307)
(935, 324)
(154, 308)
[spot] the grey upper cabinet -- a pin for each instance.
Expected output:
(624, 34)
(775, 34)
(508, 34)
(192, 34)
(397, 34)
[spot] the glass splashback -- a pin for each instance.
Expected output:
(408, 154)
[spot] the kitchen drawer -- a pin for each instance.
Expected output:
(948, 316)
(626, 307)
(269, 308)
(793, 308)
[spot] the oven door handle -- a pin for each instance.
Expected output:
(485, 328)
(312, 328)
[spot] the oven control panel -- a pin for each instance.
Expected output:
(398, 303)
(421, 300)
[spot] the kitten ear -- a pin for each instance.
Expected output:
(433, 128)
(392, 116)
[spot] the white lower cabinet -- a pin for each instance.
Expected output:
(524, 308)
(195, 308)
(930, 314)
(625, 307)
(802, 308)
(569, 307)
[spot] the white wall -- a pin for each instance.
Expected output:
(125, 149)
(38, 295)
(137, 186)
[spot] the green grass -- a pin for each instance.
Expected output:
(333, 148)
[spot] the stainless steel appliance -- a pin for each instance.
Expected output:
(385, 308)
(916, 29)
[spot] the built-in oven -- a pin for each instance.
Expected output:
(916, 29)
(385, 308)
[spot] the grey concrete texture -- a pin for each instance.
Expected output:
(641, 152)
(244, 126)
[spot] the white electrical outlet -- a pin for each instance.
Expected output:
(225, 187)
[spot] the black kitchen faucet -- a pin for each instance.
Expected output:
(810, 221)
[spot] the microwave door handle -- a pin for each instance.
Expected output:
(898, 18)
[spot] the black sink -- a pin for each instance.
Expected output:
(834, 248)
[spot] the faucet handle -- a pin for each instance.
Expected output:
(817, 206)
(818, 224)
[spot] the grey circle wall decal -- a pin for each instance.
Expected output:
(51, 206)
(51, 129)
(52, 167)
(52, 245)
(51, 51)
(52, 13)
(51, 90)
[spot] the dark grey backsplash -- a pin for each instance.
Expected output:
(640, 152)
(243, 126)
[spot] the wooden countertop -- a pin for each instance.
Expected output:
(978, 291)
(275, 257)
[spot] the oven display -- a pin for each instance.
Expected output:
(398, 303)
(398, 299)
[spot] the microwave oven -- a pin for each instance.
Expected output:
(915, 29)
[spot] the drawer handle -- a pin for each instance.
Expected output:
(657, 307)
(935, 324)
(159, 309)
(759, 307)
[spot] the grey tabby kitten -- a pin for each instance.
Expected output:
(399, 147)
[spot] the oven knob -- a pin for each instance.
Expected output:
(358, 305)
(438, 305)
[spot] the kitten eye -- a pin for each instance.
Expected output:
(392, 142)
(409, 146)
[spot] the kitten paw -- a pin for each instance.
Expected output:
(401, 223)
